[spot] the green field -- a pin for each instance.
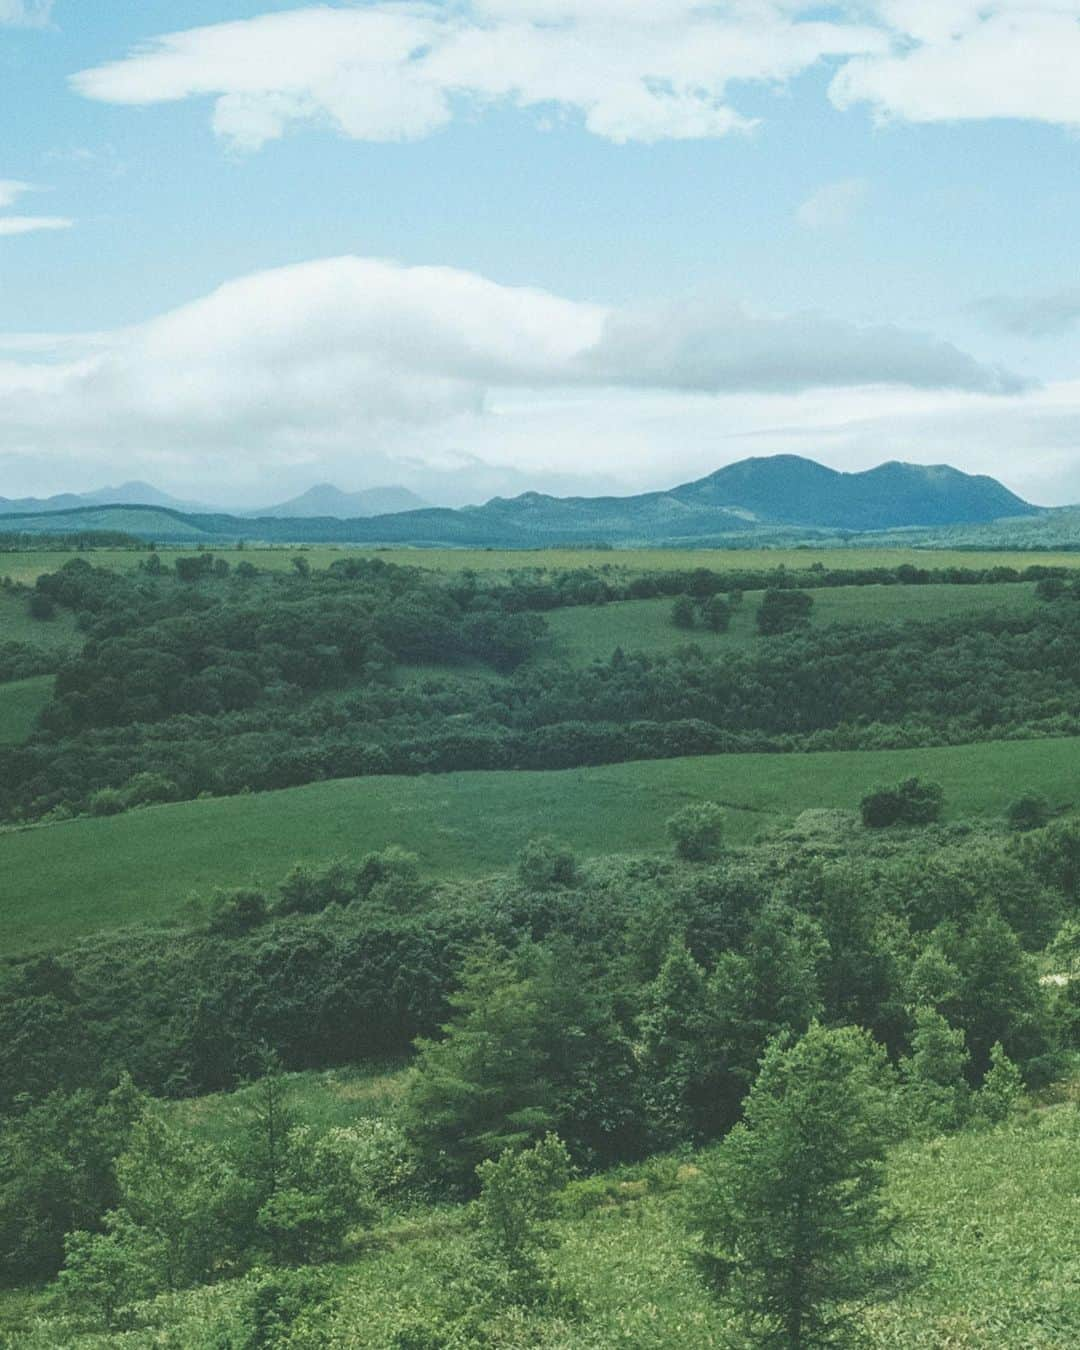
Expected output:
(59, 633)
(58, 882)
(583, 633)
(27, 566)
(20, 703)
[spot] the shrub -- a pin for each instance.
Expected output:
(307, 890)
(683, 614)
(234, 913)
(1029, 812)
(149, 789)
(696, 831)
(107, 802)
(782, 610)
(912, 802)
(544, 864)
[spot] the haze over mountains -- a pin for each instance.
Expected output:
(749, 497)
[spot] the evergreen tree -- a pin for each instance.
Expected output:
(790, 1208)
(936, 1091)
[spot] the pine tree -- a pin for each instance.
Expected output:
(791, 1213)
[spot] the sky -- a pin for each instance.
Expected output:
(487, 246)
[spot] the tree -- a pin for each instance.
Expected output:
(482, 1088)
(790, 1208)
(912, 802)
(781, 611)
(543, 864)
(1002, 1088)
(683, 614)
(936, 1091)
(716, 614)
(696, 831)
(518, 1198)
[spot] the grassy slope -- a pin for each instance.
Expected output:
(990, 1218)
(20, 703)
(58, 882)
(580, 634)
(26, 566)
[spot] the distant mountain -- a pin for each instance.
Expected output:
(779, 497)
(790, 490)
(127, 494)
(326, 500)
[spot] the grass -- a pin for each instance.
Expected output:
(988, 1218)
(59, 882)
(60, 633)
(20, 703)
(582, 634)
(27, 566)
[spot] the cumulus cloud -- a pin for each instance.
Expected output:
(633, 70)
(345, 359)
(641, 70)
(833, 205)
(970, 59)
(1031, 316)
(25, 13)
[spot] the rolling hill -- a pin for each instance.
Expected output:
(774, 495)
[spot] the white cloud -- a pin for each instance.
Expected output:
(353, 361)
(965, 59)
(25, 13)
(641, 70)
(633, 69)
(11, 189)
(31, 224)
(833, 205)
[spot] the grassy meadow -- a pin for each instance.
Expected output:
(20, 703)
(61, 881)
(60, 633)
(581, 634)
(26, 566)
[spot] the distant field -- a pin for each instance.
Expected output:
(581, 634)
(16, 625)
(58, 882)
(20, 703)
(27, 566)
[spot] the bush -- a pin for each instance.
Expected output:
(912, 802)
(781, 611)
(150, 789)
(716, 614)
(107, 802)
(234, 913)
(1029, 812)
(307, 890)
(683, 614)
(544, 864)
(696, 832)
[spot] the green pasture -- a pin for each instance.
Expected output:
(20, 703)
(60, 881)
(581, 634)
(26, 566)
(59, 633)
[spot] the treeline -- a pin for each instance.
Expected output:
(259, 667)
(25, 541)
(624, 1005)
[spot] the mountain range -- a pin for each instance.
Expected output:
(774, 494)
(326, 500)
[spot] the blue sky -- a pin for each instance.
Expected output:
(570, 244)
